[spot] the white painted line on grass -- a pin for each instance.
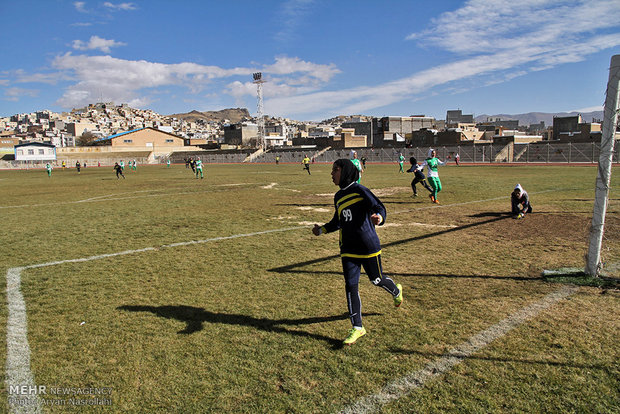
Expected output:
(403, 386)
(90, 258)
(18, 372)
(109, 196)
(116, 198)
(236, 236)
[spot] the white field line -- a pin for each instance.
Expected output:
(114, 197)
(110, 197)
(403, 386)
(18, 372)
(18, 350)
(268, 186)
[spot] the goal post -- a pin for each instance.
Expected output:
(603, 179)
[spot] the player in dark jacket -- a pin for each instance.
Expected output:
(119, 170)
(357, 213)
(519, 198)
(419, 176)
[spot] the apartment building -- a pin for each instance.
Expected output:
(346, 138)
(456, 116)
(78, 128)
(573, 129)
(244, 133)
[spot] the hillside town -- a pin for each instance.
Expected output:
(110, 127)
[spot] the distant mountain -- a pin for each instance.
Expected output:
(537, 117)
(234, 115)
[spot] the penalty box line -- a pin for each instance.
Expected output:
(18, 372)
(404, 386)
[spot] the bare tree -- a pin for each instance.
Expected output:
(85, 139)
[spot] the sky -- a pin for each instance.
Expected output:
(319, 58)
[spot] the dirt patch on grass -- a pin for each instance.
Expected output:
(382, 192)
(558, 226)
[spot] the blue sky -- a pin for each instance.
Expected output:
(320, 58)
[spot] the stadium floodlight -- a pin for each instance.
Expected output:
(603, 179)
(258, 80)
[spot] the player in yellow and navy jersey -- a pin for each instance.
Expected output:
(357, 213)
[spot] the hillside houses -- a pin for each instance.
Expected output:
(102, 122)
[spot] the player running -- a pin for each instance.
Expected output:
(199, 168)
(119, 171)
(357, 213)
(418, 176)
(306, 163)
(433, 175)
(358, 165)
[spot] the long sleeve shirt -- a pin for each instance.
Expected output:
(432, 164)
(354, 205)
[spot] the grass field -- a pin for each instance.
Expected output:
(213, 295)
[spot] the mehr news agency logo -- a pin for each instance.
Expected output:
(20, 395)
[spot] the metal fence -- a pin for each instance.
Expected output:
(541, 152)
(481, 153)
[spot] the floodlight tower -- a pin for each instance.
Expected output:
(258, 80)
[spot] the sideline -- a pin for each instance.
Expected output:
(404, 386)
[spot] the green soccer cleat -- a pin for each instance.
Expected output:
(398, 299)
(354, 335)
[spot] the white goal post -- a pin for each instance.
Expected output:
(610, 122)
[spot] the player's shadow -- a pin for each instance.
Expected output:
(491, 214)
(412, 203)
(328, 205)
(195, 318)
(434, 355)
(293, 268)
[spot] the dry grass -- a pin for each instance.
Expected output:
(253, 324)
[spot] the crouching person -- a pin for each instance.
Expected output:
(520, 202)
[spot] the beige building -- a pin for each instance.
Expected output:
(78, 128)
(346, 138)
(144, 139)
(464, 132)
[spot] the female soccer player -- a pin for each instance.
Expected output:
(433, 175)
(519, 197)
(357, 213)
(418, 176)
(119, 171)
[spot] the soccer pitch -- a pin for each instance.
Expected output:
(166, 293)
